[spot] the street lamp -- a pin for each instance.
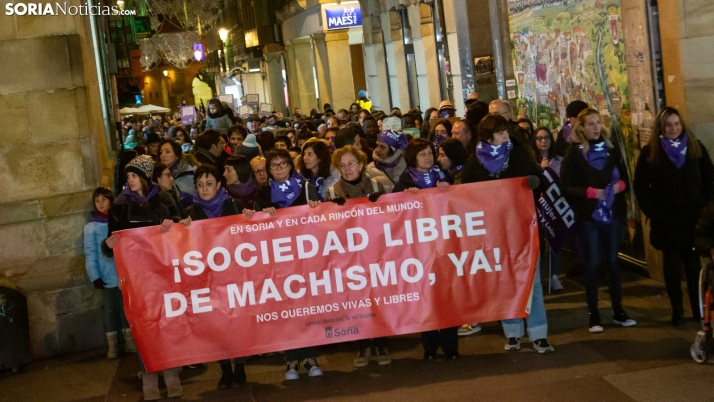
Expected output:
(166, 73)
(223, 34)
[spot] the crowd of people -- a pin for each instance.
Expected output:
(227, 165)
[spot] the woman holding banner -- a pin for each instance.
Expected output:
(314, 165)
(592, 181)
(547, 158)
(141, 204)
(497, 157)
(213, 201)
(286, 188)
(423, 172)
(354, 183)
(673, 182)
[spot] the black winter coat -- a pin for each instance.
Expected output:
(128, 214)
(673, 198)
(230, 207)
(576, 175)
(704, 231)
(405, 182)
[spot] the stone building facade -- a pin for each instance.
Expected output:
(54, 153)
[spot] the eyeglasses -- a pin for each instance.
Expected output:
(349, 165)
(260, 171)
(279, 165)
(540, 139)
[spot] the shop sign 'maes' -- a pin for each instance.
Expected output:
(343, 16)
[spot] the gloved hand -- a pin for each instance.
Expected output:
(339, 200)
(533, 182)
(99, 283)
(374, 196)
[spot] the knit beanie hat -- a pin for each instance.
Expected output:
(152, 138)
(142, 165)
(250, 141)
(394, 139)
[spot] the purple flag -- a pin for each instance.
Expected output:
(555, 217)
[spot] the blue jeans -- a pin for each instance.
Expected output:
(537, 322)
(601, 240)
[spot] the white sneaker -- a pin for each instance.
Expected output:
(313, 369)
(555, 284)
(381, 355)
(291, 373)
(468, 329)
(363, 357)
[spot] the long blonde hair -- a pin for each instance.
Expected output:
(578, 133)
(656, 152)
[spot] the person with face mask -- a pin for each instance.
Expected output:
(388, 157)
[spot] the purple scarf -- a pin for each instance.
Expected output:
(213, 207)
(284, 194)
(603, 208)
(428, 179)
(597, 154)
(135, 197)
(567, 132)
(494, 159)
(437, 142)
(244, 191)
(676, 150)
(95, 216)
(317, 182)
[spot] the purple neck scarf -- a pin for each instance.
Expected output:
(243, 191)
(567, 132)
(317, 182)
(437, 142)
(96, 216)
(453, 171)
(135, 197)
(494, 159)
(284, 194)
(597, 154)
(603, 208)
(213, 207)
(676, 150)
(428, 179)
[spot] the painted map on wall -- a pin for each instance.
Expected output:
(566, 50)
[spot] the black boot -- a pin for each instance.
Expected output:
(677, 314)
(226, 380)
(239, 378)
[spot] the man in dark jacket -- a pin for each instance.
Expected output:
(208, 149)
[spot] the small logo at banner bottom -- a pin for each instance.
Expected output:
(338, 332)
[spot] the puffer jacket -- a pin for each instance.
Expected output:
(182, 173)
(97, 264)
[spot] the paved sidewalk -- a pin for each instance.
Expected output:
(648, 362)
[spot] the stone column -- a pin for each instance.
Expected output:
(375, 63)
(334, 68)
(396, 60)
(301, 80)
(422, 23)
(274, 81)
(54, 153)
